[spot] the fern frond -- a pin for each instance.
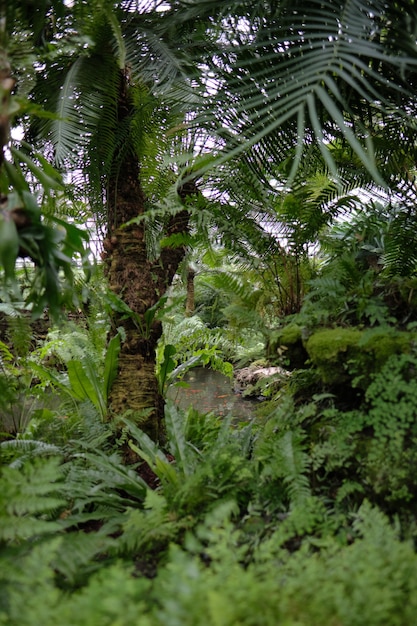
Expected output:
(295, 465)
(24, 450)
(30, 494)
(103, 480)
(185, 456)
(153, 528)
(79, 553)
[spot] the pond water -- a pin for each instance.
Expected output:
(209, 390)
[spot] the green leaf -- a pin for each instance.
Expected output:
(16, 178)
(82, 385)
(9, 244)
(175, 424)
(150, 313)
(162, 467)
(117, 32)
(150, 452)
(111, 364)
(193, 361)
(48, 182)
(167, 366)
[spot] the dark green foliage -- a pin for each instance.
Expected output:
(241, 523)
(303, 516)
(287, 344)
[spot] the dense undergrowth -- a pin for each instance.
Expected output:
(305, 515)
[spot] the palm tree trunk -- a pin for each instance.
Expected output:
(140, 283)
(190, 301)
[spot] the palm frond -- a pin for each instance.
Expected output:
(306, 73)
(400, 254)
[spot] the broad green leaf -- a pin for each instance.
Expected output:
(167, 365)
(111, 364)
(81, 385)
(150, 314)
(161, 466)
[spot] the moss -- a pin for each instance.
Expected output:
(331, 349)
(291, 334)
(386, 342)
(376, 346)
(343, 354)
(288, 340)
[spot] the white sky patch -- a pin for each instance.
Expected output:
(17, 133)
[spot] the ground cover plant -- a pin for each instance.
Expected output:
(303, 515)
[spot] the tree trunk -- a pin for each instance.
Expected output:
(140, 283)
(190, 301)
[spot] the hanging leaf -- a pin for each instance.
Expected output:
(9, 244)
(47, 181)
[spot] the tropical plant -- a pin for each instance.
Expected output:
(108, 98)
(30, 189)
(109, 125)
(300, 78)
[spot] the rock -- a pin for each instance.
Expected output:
(247, 380)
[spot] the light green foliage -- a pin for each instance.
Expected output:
(89, 373)
(198, 476)
(340, 353)
(192, 344)
(376, 346)
(28, 496)
(392, 414)
(330, 351)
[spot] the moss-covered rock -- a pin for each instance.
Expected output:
(342, 355)
(376, 346)
(288, 342)
(330, 351)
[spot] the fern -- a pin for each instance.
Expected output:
(102, 486)
(150, 529)
(22, 450)
(285, 464)
(185, 456)
(30, 497)
(295, 465)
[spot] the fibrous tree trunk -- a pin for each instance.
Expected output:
(190, 300)
(140, 282)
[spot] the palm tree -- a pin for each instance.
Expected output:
(299, 76)
(283, 82)
(112, 132)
